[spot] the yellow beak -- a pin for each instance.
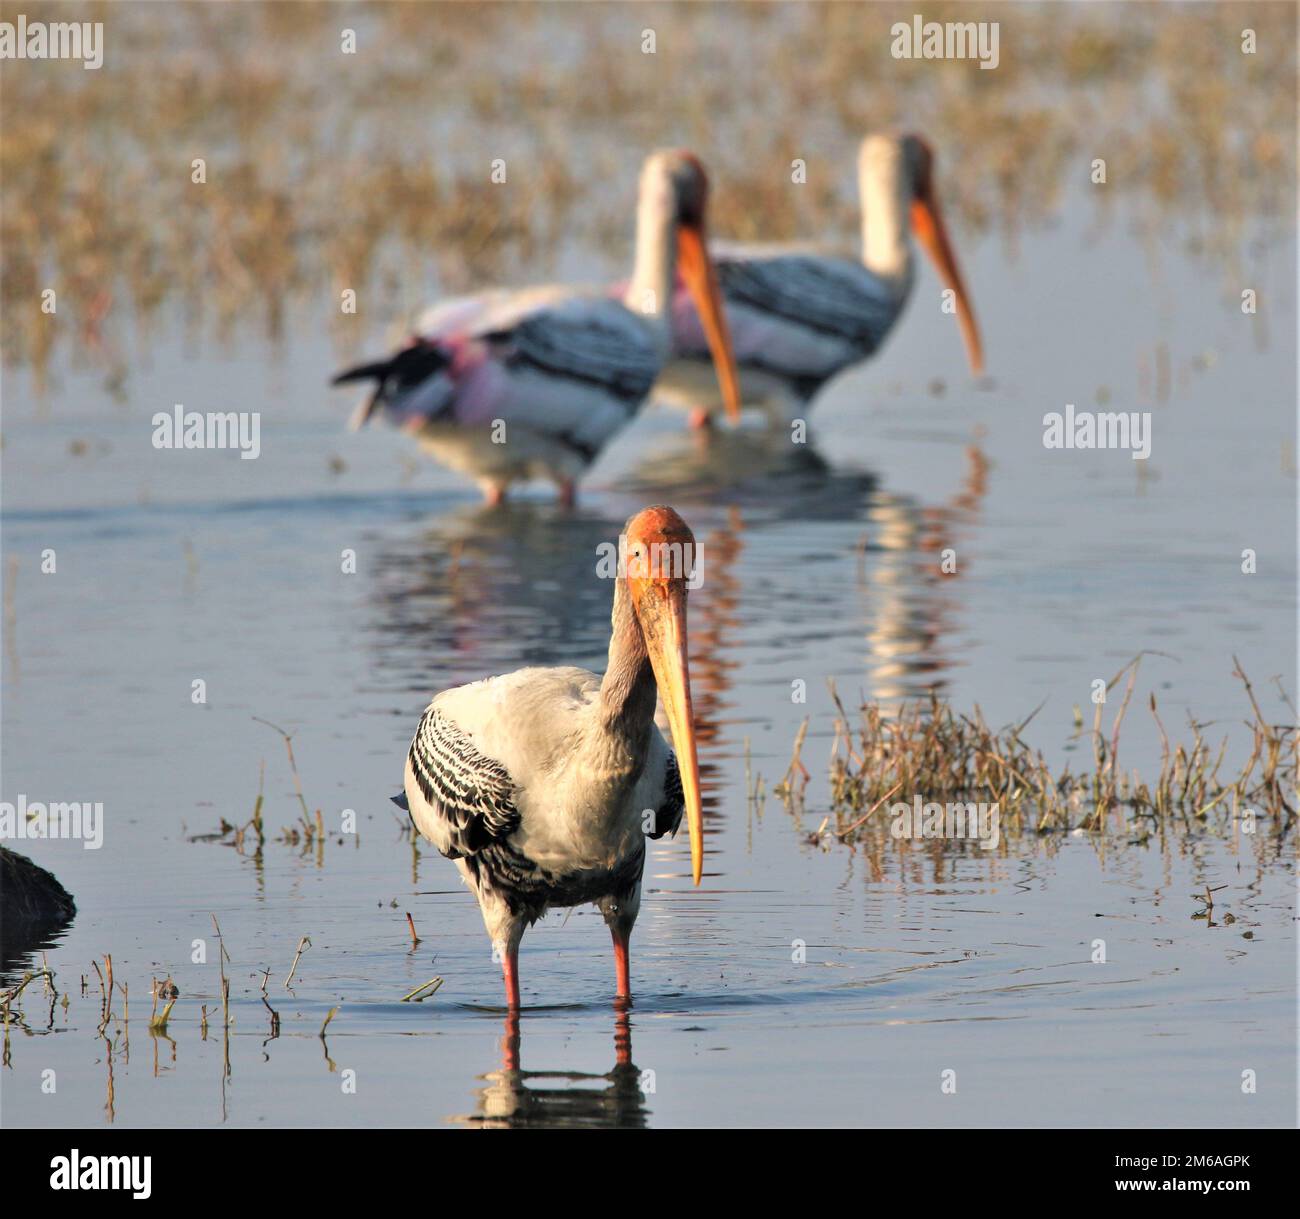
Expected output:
(666, 644)
(702, 282)
(927, 224)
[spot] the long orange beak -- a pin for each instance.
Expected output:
(665, 637)
(927, 224)
(702, 281)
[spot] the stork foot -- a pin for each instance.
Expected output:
(568, 493)
(700, 418)
(494, 495)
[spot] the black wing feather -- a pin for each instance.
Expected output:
(411, 366)
(809, 293)
(469, 797)
(668, 816)
(583, 350)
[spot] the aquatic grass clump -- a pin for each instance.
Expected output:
(927, 747)
(308, 831)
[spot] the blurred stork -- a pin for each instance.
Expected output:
(799, 315)
(544, 784)
(511, 384)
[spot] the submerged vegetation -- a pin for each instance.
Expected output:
(326, 170)
(931, 749)
(28, 1010)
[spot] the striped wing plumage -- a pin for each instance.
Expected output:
(593, 344)
(833, 296)
(668, 816)
(459, 799)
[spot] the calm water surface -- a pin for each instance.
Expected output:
(821, 562)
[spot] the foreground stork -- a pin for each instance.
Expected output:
(510, 385)
(800, 315)
(544, 784)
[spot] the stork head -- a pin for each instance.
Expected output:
(676, 180)
(661, 555)
(912, 158)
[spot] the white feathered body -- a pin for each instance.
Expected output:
(568, 802)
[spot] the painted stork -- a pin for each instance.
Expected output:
(509, 385)
(544, 784)
(799, 315)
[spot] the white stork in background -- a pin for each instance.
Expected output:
(509, 385)
(544, 784)
(798, 314)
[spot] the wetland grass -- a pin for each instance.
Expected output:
(158, 1021)
(114, 1029)
(423, 991)
(927, 747)
(303, 943)
(164, 991)
(307, 830)
(266, 1003)
(312, 826)
(104, 205)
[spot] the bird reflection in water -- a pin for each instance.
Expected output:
(519, 1099)
(749, 466)
(910, 606)
(904, 573)
(482, 588)
(478, 588)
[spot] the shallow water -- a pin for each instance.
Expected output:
(820, 563)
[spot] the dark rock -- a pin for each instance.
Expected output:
(34, 908)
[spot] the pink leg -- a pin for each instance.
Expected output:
(510, 969)
(700, 418)
(622, 965)
(568, 493)
(494, 495)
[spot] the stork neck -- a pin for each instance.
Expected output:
(627, 691)
(886, 220)
(649, 293)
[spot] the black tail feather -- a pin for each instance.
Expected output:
(403, 371)
(400, 801)
(364, 372)
(408, 367)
